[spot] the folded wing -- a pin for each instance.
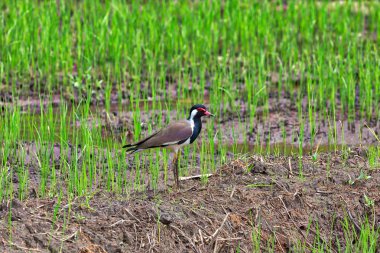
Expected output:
(175, 133)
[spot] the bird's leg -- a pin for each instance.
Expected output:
(175, 169)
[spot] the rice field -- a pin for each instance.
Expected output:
(293, 80)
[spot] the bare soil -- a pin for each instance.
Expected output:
(245, 195)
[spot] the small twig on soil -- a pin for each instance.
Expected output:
(215, 234)
(186, 237)
(353, 221)
(194, 177)
(216, 247)
(233, 191)
(350, 215)
(134, 227)
(202, 229)
(230, 239)
(322, 192)
(290, 169)
(280, 186)
(48, 203)
(117, 223)
(23, 248)
(152, 243)
(70, 236)
(200, 236)
(286, 209)
(134, 217)
(372, 132)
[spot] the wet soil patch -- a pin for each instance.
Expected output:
(245, 196)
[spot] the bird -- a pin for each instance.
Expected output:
(174, 136)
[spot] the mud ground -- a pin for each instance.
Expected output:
(244, 196)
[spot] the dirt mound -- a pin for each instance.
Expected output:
(252, 203)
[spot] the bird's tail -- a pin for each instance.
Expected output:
(132, 148)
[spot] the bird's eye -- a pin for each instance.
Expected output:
(201, 110)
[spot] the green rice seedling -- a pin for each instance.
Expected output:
(165, 161)
(64, 137)
(23, 175)
(187, 159)
(333, 127)
(136, 119)
(10, 132)
(311, 111)
(121, 173)
(43, 156)
(4, 182)
(344, 148)
(258, 144)
(373, 151)
(328, 166)
(256, 238)
(137, 173)
(57, 206)
(267, 139)
(271, 244)
(189, 51)
(365, 241)
(72, 167)
(319, 245)
(335, 133)
(110, 171)
(204, 166)
(221, 148)
(315, 153)
(154, 168)
(234, 141)
(369, 237)
(9, 216)
(284, 135)
(330, 134)
(242, 129)
(300, 144)
(373, 154)
(7, 136)
(92, 139)
(127, 180)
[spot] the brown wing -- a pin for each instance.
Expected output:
(172, 134)
(175, 132)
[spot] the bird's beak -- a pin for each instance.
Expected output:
(207, 113)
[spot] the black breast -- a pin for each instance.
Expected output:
(197, 129)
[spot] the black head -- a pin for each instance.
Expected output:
(198, 111)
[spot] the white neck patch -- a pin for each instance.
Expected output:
(193, 113)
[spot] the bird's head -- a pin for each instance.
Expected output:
(198, 111)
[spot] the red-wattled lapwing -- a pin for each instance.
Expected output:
(174, 136)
